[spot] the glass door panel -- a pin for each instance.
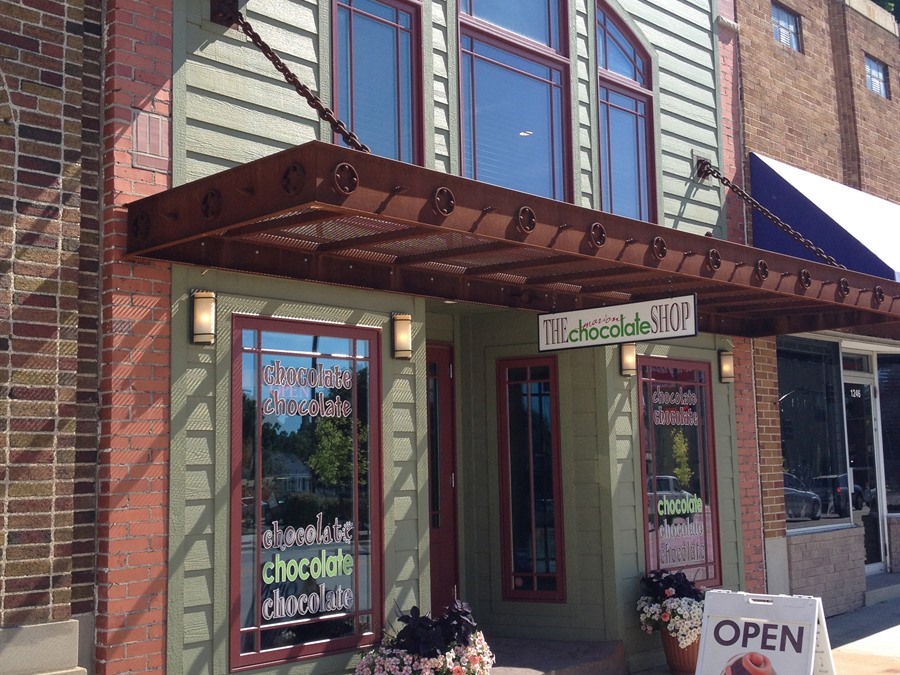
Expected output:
(861, 488)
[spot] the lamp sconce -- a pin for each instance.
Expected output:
(628, 359)
(726, 367)
(203, 317)
(401, 335)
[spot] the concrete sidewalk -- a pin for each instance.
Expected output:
(863, 642)
(867, 641)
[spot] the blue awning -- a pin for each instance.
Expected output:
(859, 230)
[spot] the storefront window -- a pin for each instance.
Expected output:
(889, 385)
(531, 504)
(305, 533)
(679, 469)
(813, 447)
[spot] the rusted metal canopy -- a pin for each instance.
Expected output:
(320, 212)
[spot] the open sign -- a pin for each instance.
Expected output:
(763, 634)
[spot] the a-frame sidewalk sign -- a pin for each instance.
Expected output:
(749, 634)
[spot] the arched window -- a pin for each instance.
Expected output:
(626, 113)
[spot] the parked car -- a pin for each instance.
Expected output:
(834, 492)
(799, 502)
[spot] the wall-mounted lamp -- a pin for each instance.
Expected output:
(726, 367)
(628, 359)
(401, 335)
(203, 320)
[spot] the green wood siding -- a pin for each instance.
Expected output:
(197, 629)
(233, 107)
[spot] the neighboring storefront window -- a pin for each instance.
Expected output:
(813, 447)
(889, 385)
(678, 471)
(305, 568)
(530, 493)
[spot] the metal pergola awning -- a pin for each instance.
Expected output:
(324, 213)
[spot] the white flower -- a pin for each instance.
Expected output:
(476, 659)
(682, 617)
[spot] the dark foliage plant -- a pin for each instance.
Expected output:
(662, 584)
(425, 636)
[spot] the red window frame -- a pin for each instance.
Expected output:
(707, 462)
(413, 9)
(513, 583)
(356, 641)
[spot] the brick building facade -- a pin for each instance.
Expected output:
(82, 487)
(49, 213)
(811, 108)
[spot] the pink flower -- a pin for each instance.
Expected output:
(670, 592)
(665, 616)
(474, 659)
(457, 670)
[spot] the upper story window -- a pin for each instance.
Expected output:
(530, 486)
(513, 78)
(877, 77)
(537, 20)
(626, 107)
(786, 27)
(377, 76)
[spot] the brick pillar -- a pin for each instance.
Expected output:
(736, 219)
(768, 421)
(84, 532)
(134, 349)
(40, 182)
(749, 468)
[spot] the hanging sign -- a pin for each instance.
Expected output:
(747, 634)
(636, 322)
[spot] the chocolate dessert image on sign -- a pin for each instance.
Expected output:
(751, 663)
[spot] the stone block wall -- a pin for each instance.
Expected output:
(829, 564)
(893, 528)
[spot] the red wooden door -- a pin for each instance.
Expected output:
(442, 477)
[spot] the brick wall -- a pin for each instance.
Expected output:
(749, 468)
(768, 424)
(84, 532)
(830, 565)
(843, 95)
(41, 51)
(732, 138)
(874, 120)
(790, 112)
(134, 352)
(800, 108)
(735, 224)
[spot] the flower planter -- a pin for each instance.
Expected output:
(681, 660)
